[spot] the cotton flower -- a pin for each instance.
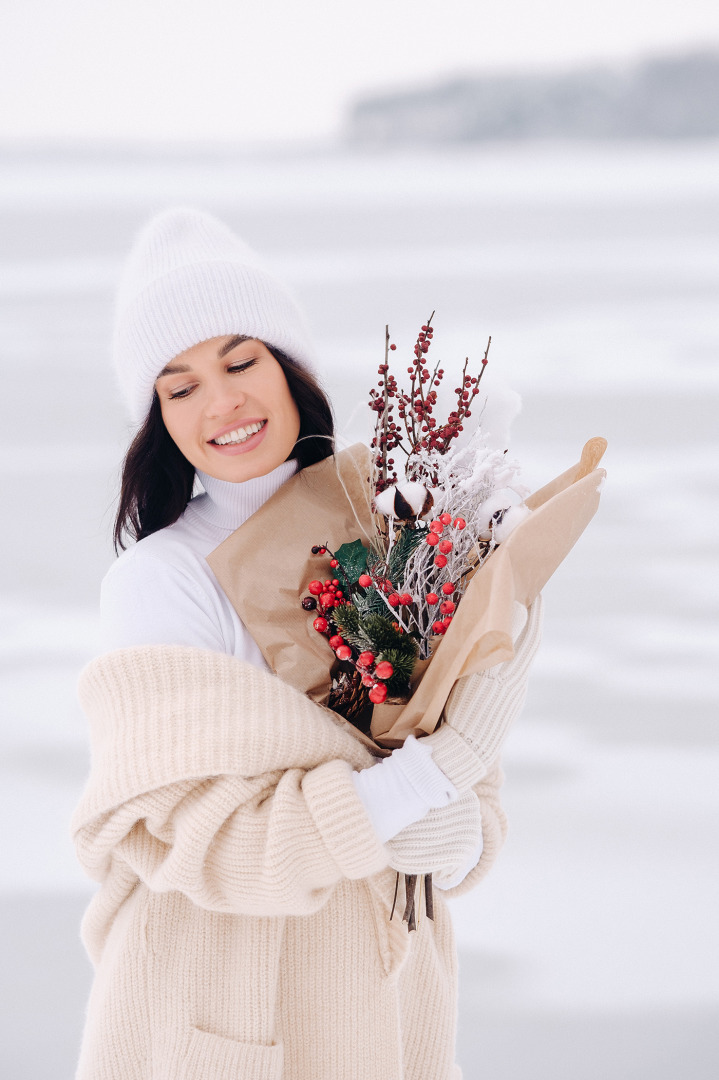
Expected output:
(405, 500)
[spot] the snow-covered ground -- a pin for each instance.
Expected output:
(593, 945)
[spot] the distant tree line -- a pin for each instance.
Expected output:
(665, 97)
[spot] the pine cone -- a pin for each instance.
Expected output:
(350, 698)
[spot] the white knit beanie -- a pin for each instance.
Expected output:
(188, 278)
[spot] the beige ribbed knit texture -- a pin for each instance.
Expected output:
(441, 843)
(481, 709)
(242, 924)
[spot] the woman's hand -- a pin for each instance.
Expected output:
(401, 788)
(446, 843)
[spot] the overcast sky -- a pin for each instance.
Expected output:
(273, 69)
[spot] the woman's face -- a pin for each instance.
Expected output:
(227, 406)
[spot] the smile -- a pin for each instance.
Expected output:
(240, 435)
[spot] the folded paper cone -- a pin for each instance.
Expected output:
(330, 504)
(479, 635)
(326, 504)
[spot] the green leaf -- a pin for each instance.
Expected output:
(403, 547)
(383, 636)
(369, 604)
(353, 560)
(403, 664)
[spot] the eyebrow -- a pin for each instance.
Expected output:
(174, 369)
(231, 344)
(181, 369)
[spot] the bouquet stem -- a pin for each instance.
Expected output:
(410, 892)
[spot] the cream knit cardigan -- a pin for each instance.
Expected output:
(241, 930)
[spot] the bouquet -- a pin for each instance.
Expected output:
(387, 604)
(395, 566)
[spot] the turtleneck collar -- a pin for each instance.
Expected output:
(229, 505)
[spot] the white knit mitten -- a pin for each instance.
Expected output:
(446, 843)
(481, 708)
(401, 788)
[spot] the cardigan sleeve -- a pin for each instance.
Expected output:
(276, 844)
(494, 830)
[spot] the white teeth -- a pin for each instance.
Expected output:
(239, 435)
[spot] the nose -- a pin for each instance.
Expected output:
(223, 399)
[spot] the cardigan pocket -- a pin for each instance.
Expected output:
(214, 1057)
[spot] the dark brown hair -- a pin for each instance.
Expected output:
(157, 479)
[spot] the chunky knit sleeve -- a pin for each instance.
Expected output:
(214, 779)
(275, 844)
(494, 830)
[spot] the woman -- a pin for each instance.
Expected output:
(244, 842)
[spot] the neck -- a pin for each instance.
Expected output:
(229, 505)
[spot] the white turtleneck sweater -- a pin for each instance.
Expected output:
(162, 591)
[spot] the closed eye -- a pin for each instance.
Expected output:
(243, 366)
(233, 369)
(185, 392)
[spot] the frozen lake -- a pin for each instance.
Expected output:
(596, 270)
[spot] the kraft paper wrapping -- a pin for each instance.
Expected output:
(266, 565)
(329, 503)
(480, 632)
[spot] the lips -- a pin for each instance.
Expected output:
(241, 439)
(238, 435)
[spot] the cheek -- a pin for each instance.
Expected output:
(295, 417)
(288, 408)
(178, 421)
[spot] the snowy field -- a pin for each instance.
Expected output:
(592, 950)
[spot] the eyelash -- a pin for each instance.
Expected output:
(236, 369)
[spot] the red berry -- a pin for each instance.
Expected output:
(432, 598)
(334, 563)
(448, 588)
(446, 608)
(437, 527)
(343, 653)
(335, 581)
(446, 519)
(460, 523)
(405, 599)
(336, 641)
(327, 599)
(320, 625)
(365, 659)
(393, 600)
(438, 627)
(440, 560)
(384, 670)
(316, 587)
(393, 347)
(322, 551)
(365, 581)
(447, 621)
(378, 693)
(445, 546)
(432, 539)
(367, 679)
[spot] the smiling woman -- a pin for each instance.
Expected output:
(238, 833)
